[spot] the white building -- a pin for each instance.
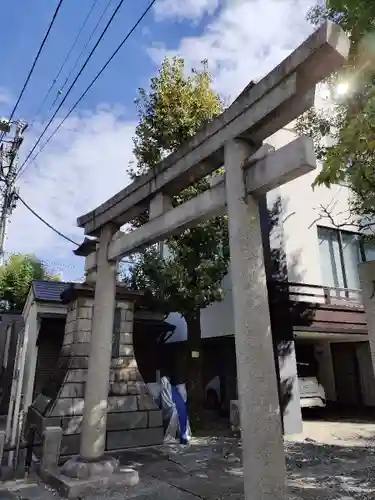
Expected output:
(316, 254)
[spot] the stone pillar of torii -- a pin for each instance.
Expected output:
(233, 140)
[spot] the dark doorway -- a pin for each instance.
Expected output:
(346, 370)
(50, 340)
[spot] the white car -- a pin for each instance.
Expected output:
(312, 394)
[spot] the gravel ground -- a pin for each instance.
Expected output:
(329, 461)
(333, 460)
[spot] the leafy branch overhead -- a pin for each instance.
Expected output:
(188, 277)
(344, 134)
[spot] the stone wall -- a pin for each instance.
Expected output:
(133, 417)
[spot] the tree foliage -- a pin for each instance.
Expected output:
(189, 276)
(357, 15)
(348, 158)
(16, 276)
(171, 111)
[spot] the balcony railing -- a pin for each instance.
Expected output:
(302, 307)
(303, 292)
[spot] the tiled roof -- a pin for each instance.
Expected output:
(49, 291)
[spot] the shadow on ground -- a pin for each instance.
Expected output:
(341, 413)
(331, 471)
(211, 469)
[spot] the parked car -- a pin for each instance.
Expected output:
(312, 394)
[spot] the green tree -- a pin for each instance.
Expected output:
(350, 158)
(16, 276)
(189, 275)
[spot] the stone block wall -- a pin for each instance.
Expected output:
(133, 417)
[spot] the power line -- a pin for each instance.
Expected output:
(65, 61)
(83, 51)
(26, 205)
(34, 63)
(73, 83)
(39, 217)
(135, 26)
(46, 261)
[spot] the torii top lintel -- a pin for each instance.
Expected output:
(260, 110)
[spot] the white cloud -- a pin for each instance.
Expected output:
(82, 166)
(86, 161)
(244, 41)
(192, 10)
(5, 96)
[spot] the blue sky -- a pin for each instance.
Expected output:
(87, 160)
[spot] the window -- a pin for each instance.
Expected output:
(340, 254)
(369, 250)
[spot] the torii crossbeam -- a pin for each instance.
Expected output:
(233, 140)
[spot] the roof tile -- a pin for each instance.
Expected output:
(49, 291)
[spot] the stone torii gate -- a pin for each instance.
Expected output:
(235, 140)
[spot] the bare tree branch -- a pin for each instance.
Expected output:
(325, 213)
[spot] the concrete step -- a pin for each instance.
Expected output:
(26, 490)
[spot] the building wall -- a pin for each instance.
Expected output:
(217, 319)
(294, 238)
(294, 235)
(302, 212)
(366, 373)
(6, 376)
(31, 330)
(301, 215)
(298, 234)
(326, 373)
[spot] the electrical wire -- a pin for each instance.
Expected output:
(39, 217)
(82, 52)
(46, 261)
(34, 63)
(72, 84)
(135, 26)
(26, 205)
(64, 62)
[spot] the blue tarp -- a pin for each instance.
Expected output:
(182, 415)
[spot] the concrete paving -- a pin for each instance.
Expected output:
(342, 431)
(211, 469)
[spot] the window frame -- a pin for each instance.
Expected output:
(338, 234)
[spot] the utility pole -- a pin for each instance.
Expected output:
(8, 173)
